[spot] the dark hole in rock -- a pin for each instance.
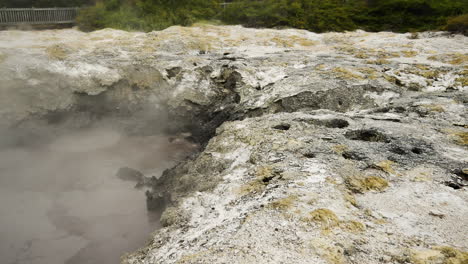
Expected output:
(268, 179)
(340, 102)
(382, 110)
(237, 98)
(460, 125)
(399, 109)
(232, 80)
(453, 185)
(309, 155)
(353, 155)
(330, 123)
(417, 150)
(369, 135)
(229, 58)
(336, 123)
(282, 127)
(450, 89)
(461, 173)
(398, 150)
(173, 72)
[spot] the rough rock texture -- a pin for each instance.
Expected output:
(333, 148)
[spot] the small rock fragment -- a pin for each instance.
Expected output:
(437, 214)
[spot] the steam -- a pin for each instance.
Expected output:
(62, 203)
(60, 150)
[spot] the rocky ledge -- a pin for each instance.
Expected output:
(318, 148)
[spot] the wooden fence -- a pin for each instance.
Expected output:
(35, 16)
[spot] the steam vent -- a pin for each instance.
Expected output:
(225, 144)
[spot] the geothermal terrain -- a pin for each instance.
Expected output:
(281, 146)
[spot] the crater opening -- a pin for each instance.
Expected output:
(369, 135)
(398, 150)
(336, 123)
(283, 126)
(309, 155)
(417, 150)
(353, 155)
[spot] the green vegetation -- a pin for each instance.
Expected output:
(458, 24)
(410, 15)
(146, 15)
(313, 15)
(362, 184)
(338, 15)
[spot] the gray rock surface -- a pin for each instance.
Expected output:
(319, 148)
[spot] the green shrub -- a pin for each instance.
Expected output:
(314, 15)
(145, 15)
(458, 24)
(409, 15)
(91, 18)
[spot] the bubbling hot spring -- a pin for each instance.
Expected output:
(61, 201)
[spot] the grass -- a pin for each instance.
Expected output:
(458, 136)
(453, 255)
(263, 175)
(386, 166)
(430, 74)
(370, 73)
(340, 148)
(254, 186)
(378, 62)
(434, 108)
(439, 255)
(409, 53)
(326, 250)
(461, 138)
(208, 22)
(458, 24)
(284, 204)
(362, 184)
(352, 226)
(292, 41)
(349, 197)
(325, 217)
(451, 58)
(463, 81)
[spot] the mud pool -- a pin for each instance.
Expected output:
(61, 202)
